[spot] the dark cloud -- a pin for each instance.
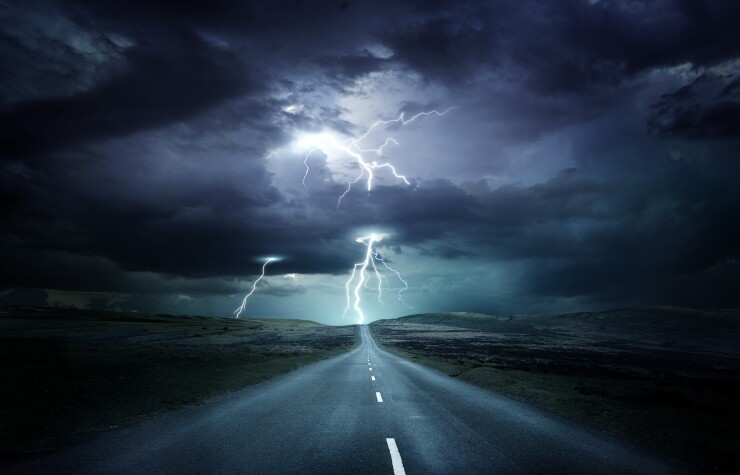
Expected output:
(567, 46)
(601, 43)
(133, 141)
(594, 234)
(446, 48)
(154, 90)
(582, 237)
(284, 290)
(347, 68)
(708, 108)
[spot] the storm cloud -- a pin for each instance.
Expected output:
(149, 159)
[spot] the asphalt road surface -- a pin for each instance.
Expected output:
(363, 412)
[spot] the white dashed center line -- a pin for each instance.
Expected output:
(372, 377)
(395, 457)
(370, 369)
(380, 398)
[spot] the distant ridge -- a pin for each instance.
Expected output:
(669, 327)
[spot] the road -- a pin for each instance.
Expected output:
(363, 412)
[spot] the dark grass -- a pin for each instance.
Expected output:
(67, 374)
(665, 378)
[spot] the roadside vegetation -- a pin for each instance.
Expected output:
(69, 373)
(665, 378)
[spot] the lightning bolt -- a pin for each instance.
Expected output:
(378, 257)
(305, 175)
(354, 149)
(361, 280)
(241, 307)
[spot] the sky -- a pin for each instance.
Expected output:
(153, 154)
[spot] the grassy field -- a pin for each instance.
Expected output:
(69, 373)
(667, 378)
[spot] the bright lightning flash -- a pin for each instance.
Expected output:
(354, 149)
(360, 278)
(241, 307)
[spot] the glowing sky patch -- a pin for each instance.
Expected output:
(354, 148)
(293, 109)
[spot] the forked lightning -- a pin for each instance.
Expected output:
(241, 307)
(354, 149)
(371, 256)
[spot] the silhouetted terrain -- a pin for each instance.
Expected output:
(67, 373)
(665, 377)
